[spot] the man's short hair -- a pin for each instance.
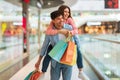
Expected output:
(55, 14)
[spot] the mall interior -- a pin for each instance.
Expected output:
(22, 30)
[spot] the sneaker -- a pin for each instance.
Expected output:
(83, 76)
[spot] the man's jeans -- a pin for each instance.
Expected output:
(57, 68)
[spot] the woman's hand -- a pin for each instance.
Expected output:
(63, 31)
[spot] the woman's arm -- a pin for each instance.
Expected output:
(71, 22)
(50, 30)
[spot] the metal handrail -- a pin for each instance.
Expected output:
(107, 40)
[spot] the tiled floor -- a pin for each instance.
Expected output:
(30, 67)
(14, 67)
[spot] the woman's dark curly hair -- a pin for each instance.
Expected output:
(61, 9)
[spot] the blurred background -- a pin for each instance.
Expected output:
(22, 26)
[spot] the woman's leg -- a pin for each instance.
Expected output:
(79, 59)
(79, 54)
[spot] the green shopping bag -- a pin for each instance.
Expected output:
(34, 75)
(29, 75)
(58, 50)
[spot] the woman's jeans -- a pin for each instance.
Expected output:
(47, 58)
(79, 55)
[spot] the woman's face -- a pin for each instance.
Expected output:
(66, 13)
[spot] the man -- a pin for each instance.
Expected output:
(56, 68)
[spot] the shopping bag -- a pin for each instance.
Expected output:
(58, 50)
(35, 75)
(72, 59)
(74, 56)
(28, 76)
(69, 52)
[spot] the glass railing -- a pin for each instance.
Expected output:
(11, 50)
(103, 53)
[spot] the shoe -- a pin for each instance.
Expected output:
(83, 76)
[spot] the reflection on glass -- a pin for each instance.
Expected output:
(104, 55)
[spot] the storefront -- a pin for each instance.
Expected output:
(0, 33)
(11, 36)
(101, 27)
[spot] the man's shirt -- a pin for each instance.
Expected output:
(53, 40)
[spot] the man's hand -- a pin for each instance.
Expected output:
(37, 65)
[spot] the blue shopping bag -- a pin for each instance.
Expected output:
(58, 50)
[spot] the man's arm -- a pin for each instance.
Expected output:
(38, 62)
(42, 52)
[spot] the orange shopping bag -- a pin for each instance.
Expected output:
(35, 76)
(69, 57)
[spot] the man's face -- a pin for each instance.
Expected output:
(58, 22)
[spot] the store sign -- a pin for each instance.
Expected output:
(111, 4)
(17, 23)
(93, 23)
(26, 1)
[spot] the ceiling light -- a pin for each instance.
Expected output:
(49, 3)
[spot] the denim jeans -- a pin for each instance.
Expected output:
(56, 70)
(79, 54)
(47, 59)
